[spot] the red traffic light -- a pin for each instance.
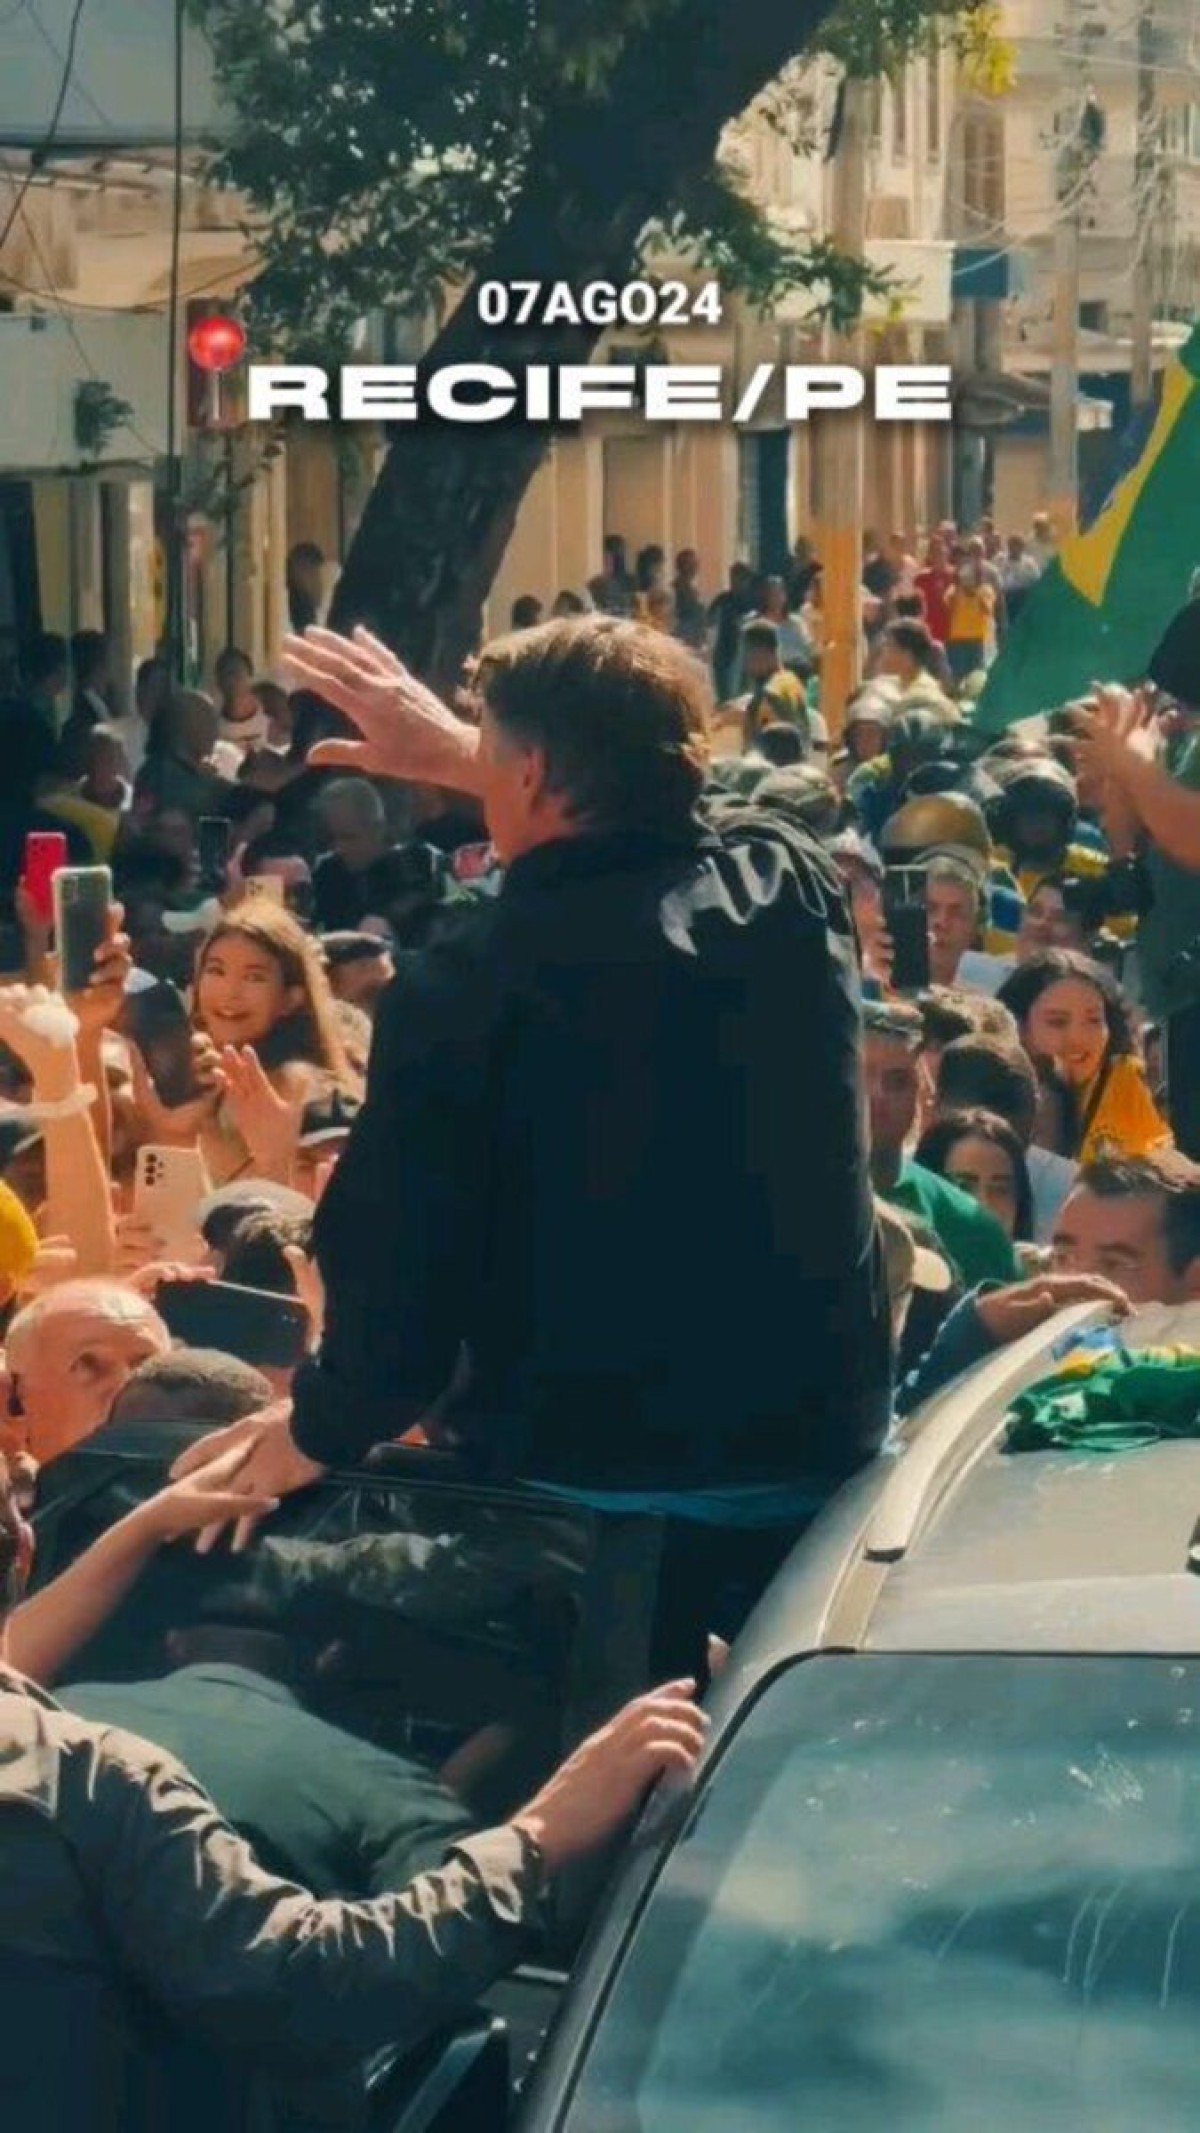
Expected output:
(217, 342)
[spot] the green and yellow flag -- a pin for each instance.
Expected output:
(1099, 610)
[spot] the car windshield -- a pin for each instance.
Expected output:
(926, 1892)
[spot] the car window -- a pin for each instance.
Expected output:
(951, 1893)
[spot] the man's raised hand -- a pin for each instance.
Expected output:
(405, 730)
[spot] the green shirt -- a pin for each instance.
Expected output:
(971, 1236)
(1173, 924)
(338, 1814)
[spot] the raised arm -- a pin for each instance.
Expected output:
(1120, 746)
(50, 1627)
(406, 731)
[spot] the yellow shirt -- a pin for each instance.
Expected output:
(1127, 1121)
(970, 611)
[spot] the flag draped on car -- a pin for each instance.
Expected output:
(1101, 606)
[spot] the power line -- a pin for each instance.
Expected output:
(52, 44)
(39, 154)
(80, 350)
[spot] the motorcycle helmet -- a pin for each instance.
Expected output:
(936, 825)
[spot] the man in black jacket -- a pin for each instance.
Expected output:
(612, 1152)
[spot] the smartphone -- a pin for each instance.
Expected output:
(46, 853)
(157, 1022)
(269, 885)
(269, 1331)
(82, 899)
(170, 1186)
(213, 837)
(907, 922)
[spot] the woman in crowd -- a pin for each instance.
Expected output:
(269, 1045)
(1078, 1028)
(982, 1155)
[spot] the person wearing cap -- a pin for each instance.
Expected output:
(865, 730)
(950, 825)
(916, 737)
(972, 1238)
(1033, 822)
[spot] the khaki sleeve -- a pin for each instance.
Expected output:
(260, 1965)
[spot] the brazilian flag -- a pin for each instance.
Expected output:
(1099, 610)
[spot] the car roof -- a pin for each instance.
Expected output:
(954, 1544)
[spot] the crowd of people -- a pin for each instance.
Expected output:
(612, 1081)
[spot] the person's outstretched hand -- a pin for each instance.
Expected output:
(269, 1123)
(179, 1125)
(405, 730)
(271, 1467)
(1008, 1314)
(1120, 729)
(601, 1787)
(208, 1496)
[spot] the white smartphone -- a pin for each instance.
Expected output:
(272, 886)
(170, 1187)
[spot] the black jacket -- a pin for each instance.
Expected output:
(614, 1144)
(125, 1900)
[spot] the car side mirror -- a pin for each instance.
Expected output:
(459, 2083)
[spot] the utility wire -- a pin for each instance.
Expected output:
(39, 154)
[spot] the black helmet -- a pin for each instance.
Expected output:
(1031, 781)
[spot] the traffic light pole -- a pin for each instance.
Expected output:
(176, 535)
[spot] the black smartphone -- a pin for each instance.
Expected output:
(212, 844)
(82, 898)
(268, 1331)
(907, 922)
(156, 1021)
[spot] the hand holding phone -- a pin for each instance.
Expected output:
(82, 899)
(170, 1186)
(907, 922)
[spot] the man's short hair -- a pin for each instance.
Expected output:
(620, 712)
(759, 635)
(1169, 1177)
(781, 745)
(192, 1385)
(257, 1254)
(983, 1073)
(913, 638)
(223, 1213)
(961, 875)
(111, 1299)
(948, 1014)
(355, 798)
(894, 1019)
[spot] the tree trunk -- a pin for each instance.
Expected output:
(442, 510)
